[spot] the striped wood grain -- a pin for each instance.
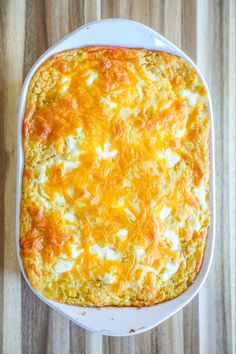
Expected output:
(12, 26)
(205, 29)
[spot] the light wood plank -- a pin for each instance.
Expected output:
(156, 15)
(191, 327)
(92, 10)
(141, 12)
(189, 27)
(232, 157)
(77, 339)
(76, 14)
(204, 22)
(123, 9)
(108, 8)
(216, 304)
(122, 345)
(58, 341)
(3, 33)
(57, 25)
(13, 46)
(94, 343)
(172, 24)
(34, 330)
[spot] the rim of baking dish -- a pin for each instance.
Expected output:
(118, 321)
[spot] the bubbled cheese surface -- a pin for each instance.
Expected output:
(115, 186)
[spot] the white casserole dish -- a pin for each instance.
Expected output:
(114, 321)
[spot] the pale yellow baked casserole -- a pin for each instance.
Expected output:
(114, 206)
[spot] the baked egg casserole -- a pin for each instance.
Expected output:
(115, 186)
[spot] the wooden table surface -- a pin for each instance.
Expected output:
(205, 29)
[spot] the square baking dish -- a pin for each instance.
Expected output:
(116, 321)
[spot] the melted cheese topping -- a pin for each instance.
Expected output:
(115, 187)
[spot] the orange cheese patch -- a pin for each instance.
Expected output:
(115, 187)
